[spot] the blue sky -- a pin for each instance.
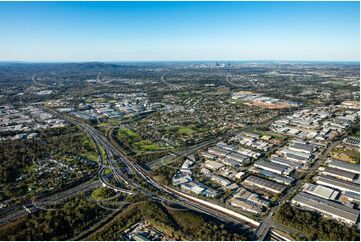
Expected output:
(161, 31)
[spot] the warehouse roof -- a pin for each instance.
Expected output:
(327, 207)
(320, 191)
(339, 184)
(266, 184)
(340, 173)
(271, 165)
(342, 165)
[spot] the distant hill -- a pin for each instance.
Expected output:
(88, 67)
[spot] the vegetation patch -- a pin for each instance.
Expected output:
(102, 193)
(177, 224)
(314, 226)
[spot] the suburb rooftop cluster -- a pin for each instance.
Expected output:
(180, 151)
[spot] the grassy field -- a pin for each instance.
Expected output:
(107, 171)
(135, 141)
(187, 130)
(351, 155)
(102, 193)
(128, 135)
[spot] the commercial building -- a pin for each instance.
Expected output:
(327, 208)
(338, 184)
(320, 191)
(264, 184)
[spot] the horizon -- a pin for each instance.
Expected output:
(179, 31)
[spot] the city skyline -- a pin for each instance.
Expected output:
(179, 31)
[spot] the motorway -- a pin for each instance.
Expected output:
(121, 165)
(116, 157)
(18, 211)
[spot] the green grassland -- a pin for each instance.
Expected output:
(102, 193)
(135, 141)
(187, 130)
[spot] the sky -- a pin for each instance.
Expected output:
(179, 31)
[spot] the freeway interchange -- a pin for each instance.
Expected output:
(122, 166)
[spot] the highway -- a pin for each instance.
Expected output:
(121, 165)
(19, 211)
(116, 156)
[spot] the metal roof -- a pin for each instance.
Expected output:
(339, 184)
(327, 207)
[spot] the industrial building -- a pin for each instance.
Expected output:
(213, 165)
(340, 174)
(277, 178)
(218, 151)
(338, 184)
(302, 147)
(264, 184)
(327, 208)
(273, 167)
(345, 166)
(246, 205)
(238, 157)
(220, 180)
(320, 191)
(285, 162)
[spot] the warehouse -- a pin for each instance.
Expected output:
(231, 162)
(209, 155)
(321, 191)
(238, 157)
(270, 166)
(297, 158)
(327, 208)
(246, 205)
(302, 147)
(218, 151)
(338, 184)
(220, 180)
(297, 153)
(350, 197)
(340, 174)
(224, 146)
(277, 178)
(345, 166)
(264, 184)
(285, 162)
(213, 165)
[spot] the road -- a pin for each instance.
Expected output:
(116, 157)
(19, 211)
(267, 222)
(121, 165)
